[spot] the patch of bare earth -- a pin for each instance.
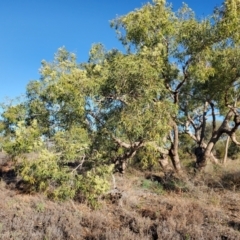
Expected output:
(140, 207)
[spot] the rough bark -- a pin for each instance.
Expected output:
(226, 150)
(173, 152)
(224, 128)
(163, 161)
(121, 161)
(203, 149)
(202, 159)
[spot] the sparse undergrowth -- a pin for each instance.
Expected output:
(161, 207)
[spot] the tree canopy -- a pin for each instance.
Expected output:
(178, 76)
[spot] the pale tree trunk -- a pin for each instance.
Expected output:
(212, 157)
(121, 161)
(173, 151)
(164, 163)
(224, 128)
(226, 150)
(207, 152)
(175, 159)
(200, 150)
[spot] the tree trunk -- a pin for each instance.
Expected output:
(121, 161)
(173, 152)
(226, 150)
(164, 163)
(175, 159)
(203, 154)
(224, 128)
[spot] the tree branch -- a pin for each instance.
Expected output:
(117, 98)
(203, 122)
(79, 165)
(121, 143)
(213, 117)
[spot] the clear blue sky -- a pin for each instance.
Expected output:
(33, 30)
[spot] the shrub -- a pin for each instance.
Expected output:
(45, 174)
(58, 182)
(153, 186)
(95, 182)
(27, 139)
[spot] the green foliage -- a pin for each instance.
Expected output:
(155, 187)
(186, 144)
(95, 182)
(147, 157)
(44, 174)
(12, 113)
(58, 99)
(234, 150)
(58, 182)
(71, 144)
(27, 139)
(40, 207)
(134, 102)
(176, 69)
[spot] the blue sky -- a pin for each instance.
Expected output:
(33, 30)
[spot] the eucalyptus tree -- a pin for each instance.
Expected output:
(55, 110)
(214, 86)
(197, 61)
(137, 107)
(129, 115)
(177, 69)
(57, 103)
(58, 100)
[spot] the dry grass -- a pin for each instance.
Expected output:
(205, 206)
